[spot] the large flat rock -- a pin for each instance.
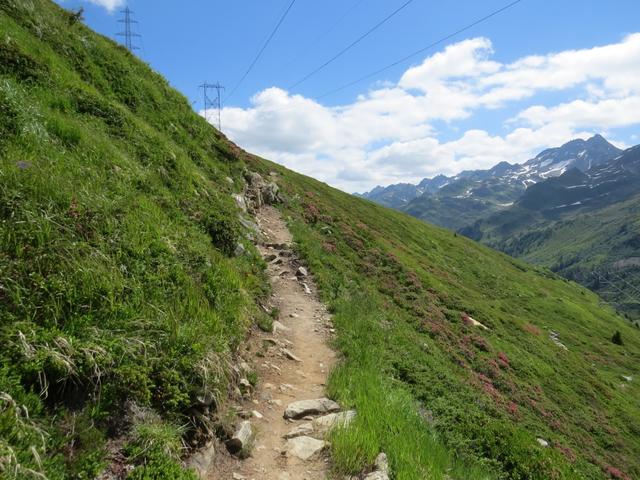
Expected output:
(305, 447)
(327, 422)
(303, 408)
(300, 430)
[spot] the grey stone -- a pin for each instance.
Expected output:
(254, 179)
(377, 476)
(241, 202)
(327, 422)
(271, 194)
(249, 225)
(302, 272)
(242, 441)
(302, 408)
(290, 355)
(279, 326)
(382, 468)
(240, 250)
(304, 447)
(201, 461)
(205, 398)
(382, 462)
(302, 429)
(542, 442)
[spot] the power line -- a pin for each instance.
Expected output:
(308, 46)
(417, 52)
(257, 57)
(128, 33)
(601, 278)
(633, 287)
(352, 44)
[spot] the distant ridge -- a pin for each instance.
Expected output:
(457, 201)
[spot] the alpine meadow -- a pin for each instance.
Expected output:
(155, 278)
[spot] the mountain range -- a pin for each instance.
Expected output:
(583, 225)
(458, 201)
(572, 209)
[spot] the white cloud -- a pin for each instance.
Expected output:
(110, 5)
(389, 134)
(603, 114)
(469, 58)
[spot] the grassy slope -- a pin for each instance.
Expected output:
(112, 190)
(576, 246)
(111, 290)
(399, 287)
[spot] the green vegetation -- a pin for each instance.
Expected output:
(441, 396)
(121, 302)
(604, 240)
(118, 289)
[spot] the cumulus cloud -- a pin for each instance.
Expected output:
(110, 5)
(603, 114)
(390, 133)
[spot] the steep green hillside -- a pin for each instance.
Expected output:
(584, 226)
(600, 250)
(403, 293)
(117, 287)
(121, 302)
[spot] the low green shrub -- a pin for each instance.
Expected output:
(68, 134)
(15, 62)
(161, 468)
(224, 230)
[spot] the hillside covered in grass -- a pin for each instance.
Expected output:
(583, 226)
(599, 249)
(405, 296)
(122, 300)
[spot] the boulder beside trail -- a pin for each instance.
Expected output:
(241, 202)
(242, 441)
(305, 447)
(300, 430)
(258, 192)
(202, 460)
(327, 422)
(382, 468)
(303, 408)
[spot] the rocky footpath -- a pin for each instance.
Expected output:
(280, 417)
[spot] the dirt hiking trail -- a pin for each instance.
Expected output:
(292, 365)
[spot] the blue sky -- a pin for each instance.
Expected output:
(482, 100)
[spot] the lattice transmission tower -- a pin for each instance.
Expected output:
(128, 33)
(215, 103)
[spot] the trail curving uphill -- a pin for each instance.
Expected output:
(292, 365)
